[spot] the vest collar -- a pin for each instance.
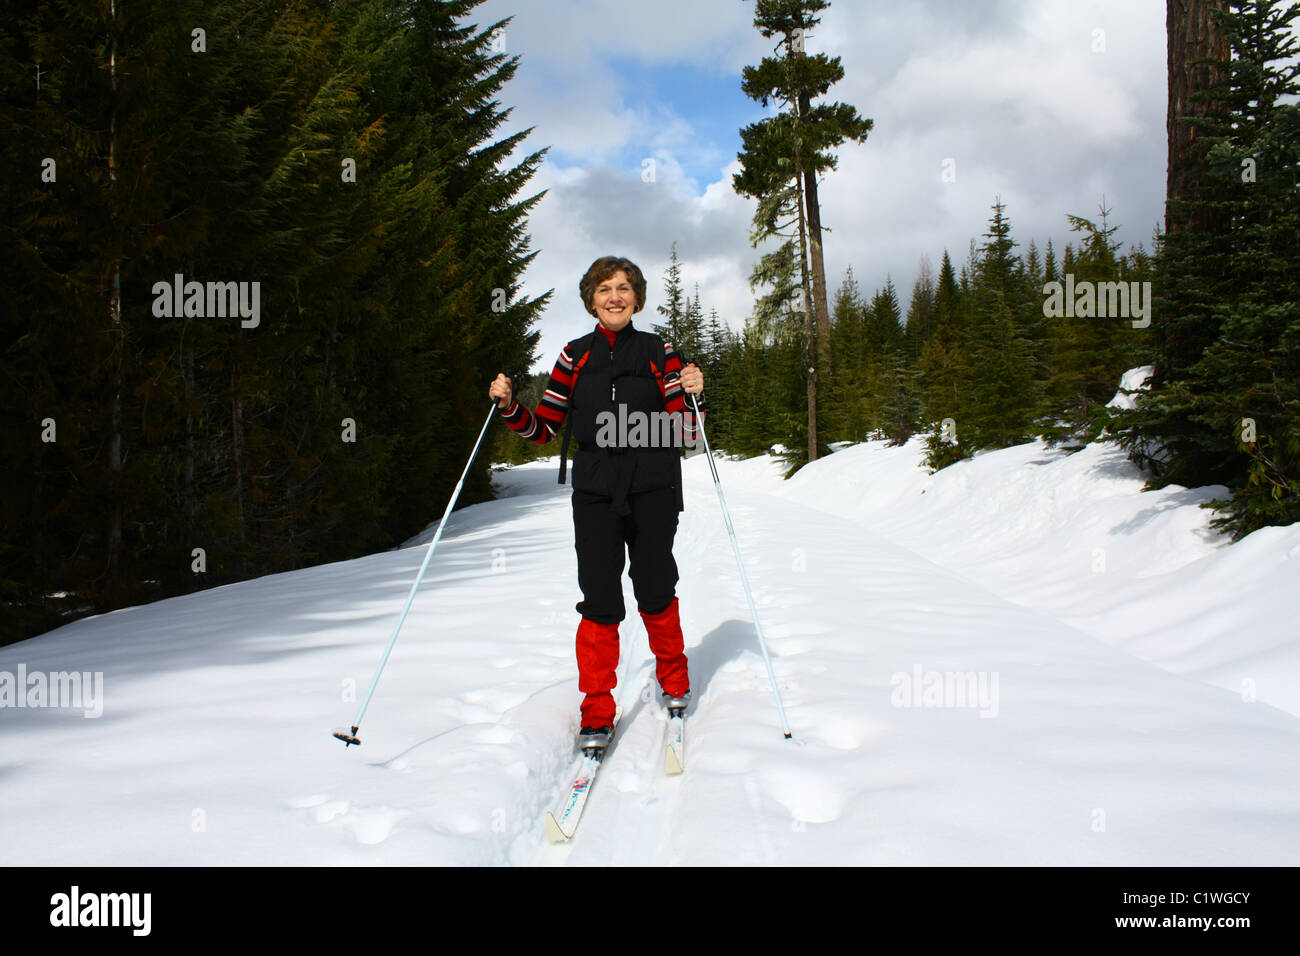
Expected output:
(625, 332)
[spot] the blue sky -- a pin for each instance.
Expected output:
(707, 99)
(710, 102)
(1049, 104)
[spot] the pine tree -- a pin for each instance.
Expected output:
(848, 399)
(690, 342)
(1006, 394)
(674, 305)
(1090, 352)
(377, 292)
(920, 312)
(900, 403)
(944, 372)
(717, 361)
(1223, 403)
(782, 157)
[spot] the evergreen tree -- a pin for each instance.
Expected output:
(1223, 403)
(944, 372)
(1090, 352)
(717, 361)
(848, 401)
(920, 312)
(1006, 394)
(674, 305)
(341, 157)
(690, 340)
(885, 329)
(783, 156)
(900, 402)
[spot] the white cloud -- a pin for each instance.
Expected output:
(593, 211)
(1012, 91)
(575, 33)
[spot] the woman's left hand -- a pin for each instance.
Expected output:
(693, 379)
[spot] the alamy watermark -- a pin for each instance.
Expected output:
(1101, 300)
(922, 688)
(638, 429)
(77, 908)
(76, 690)
(213, 300)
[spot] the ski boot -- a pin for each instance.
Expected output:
(592, 741)
(676, 705)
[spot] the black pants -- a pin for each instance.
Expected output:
(601, 537)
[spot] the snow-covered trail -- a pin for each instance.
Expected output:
(1088, 755)
(1075, 537)
(214, 744)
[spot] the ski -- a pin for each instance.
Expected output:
(562, 828)
(675, 752)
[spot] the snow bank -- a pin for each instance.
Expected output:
(968, 660)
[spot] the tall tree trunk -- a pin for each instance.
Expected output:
(820, 308)
(1191, 33)
(237, 443)
(118, 337)
(810, 325)
(187, 379)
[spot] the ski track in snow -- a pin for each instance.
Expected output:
(214, 743)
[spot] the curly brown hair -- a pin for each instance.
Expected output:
(602, 269)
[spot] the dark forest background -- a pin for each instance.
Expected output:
(344, 156)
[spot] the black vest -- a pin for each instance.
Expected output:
(616, 411)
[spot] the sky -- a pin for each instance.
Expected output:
(1050, 105)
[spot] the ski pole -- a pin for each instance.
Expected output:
(744, 579)
(351, 738)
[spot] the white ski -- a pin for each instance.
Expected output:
(561, 829)
(675, 752)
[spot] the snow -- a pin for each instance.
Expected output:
(1134, 380)
(1022, 659)
(1075, 537)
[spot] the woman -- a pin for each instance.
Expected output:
(626, 489)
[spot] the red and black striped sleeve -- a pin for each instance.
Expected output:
(543, 424)
(675, 400)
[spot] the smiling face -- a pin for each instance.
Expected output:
(614, 301)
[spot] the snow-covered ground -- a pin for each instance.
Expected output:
(1023, 659)
(1074, 536)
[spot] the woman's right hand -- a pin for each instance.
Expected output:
(501, 391)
